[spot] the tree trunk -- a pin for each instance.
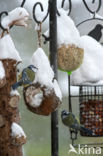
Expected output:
(8, 113)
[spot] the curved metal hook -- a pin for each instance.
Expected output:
(93, 1)
(70, 6)
(41, 7)
(6, 13)
(22, 4)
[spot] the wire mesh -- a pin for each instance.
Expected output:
(91, 109)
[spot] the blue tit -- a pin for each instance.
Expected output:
(70, 121)
(26, 77)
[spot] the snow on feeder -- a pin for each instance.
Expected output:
(70, 52)
(43, 96)
(17, 134)
(18, 17)
(2, 75)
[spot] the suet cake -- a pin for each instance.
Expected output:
(70, 57)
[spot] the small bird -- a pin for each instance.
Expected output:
(96, 32)
(26, 77)
(70, 121)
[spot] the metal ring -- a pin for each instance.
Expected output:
(41, 7)
(89, 20)
(93, 1)
(22, 4)
(6, 13)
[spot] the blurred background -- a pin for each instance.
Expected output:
(37, 128)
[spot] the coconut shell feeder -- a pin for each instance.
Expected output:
(49, 103)
(70, 57)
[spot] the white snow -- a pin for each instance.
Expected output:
(57, 90)
(18, 16)
(67, 33)
(2, 71)
(63, 83)
(91, 69)
(17, 131)
(14, 92)
(66, 30)
(44, 74)
(37, 100)
(8, 50)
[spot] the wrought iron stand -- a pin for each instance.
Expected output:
(53, 61)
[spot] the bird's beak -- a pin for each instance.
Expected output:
(66, 113)
(34, 69)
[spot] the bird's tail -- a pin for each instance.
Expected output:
(86, 130)
(16, 85)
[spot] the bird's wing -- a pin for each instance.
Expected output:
(24, 75)
(17, 84)
(19, 76)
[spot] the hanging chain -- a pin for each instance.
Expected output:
(39, 32)
(73, 135)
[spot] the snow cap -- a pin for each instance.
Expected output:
(17, 131)
(67, 33)
(18, 16)
(8, 50)
(2, 71)
(45, 74)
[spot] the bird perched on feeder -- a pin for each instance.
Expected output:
(26, 77)
(70, 121)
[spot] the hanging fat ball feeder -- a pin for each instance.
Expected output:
(70, 57)
(69, 52)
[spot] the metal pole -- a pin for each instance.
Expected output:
(69, 95)
(53, 61)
